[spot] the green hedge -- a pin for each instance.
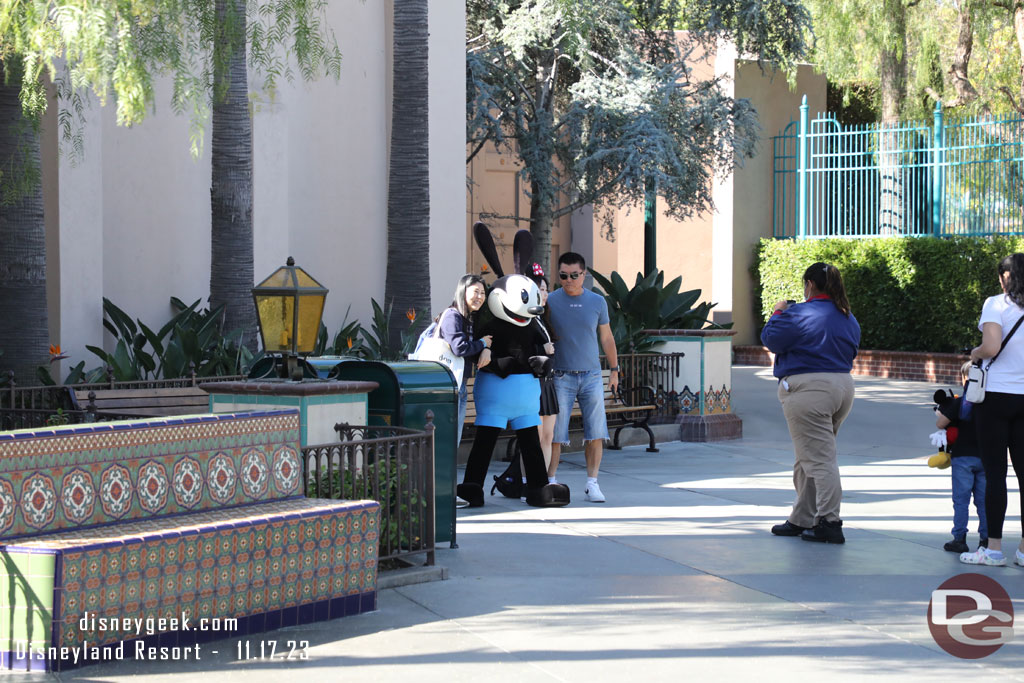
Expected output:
(909, 294)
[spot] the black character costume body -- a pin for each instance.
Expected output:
(507, 391)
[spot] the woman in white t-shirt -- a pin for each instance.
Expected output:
(999, 420)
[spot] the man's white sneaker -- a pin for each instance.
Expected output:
(984, 556)
(1020, 557)
(594, 494)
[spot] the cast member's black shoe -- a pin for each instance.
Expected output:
(471, 493)
(787, 528)
(825, 532)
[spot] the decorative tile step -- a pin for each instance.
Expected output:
(242, 570)
(87, 475)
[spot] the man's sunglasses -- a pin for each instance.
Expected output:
(569, 276)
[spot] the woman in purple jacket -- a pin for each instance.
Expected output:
(814, 343)
(457, 330)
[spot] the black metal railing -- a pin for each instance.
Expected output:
(391, 465)
(658, 371)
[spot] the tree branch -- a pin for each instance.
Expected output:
(477, 149)
(1019, 106)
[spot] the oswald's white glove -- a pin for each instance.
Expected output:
(938, 438)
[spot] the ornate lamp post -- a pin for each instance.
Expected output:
(289, 306)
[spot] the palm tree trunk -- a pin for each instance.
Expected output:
(407, 281)
(24, 329)
(231, 193)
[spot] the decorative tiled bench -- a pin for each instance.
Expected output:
(186, 518)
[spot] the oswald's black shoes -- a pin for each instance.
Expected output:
(548, 496)
(471, 493)
(787, 528)
(825, 532)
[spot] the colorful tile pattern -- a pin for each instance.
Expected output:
(717, 402)
(688, 401)
(274, 560)
(86, 475)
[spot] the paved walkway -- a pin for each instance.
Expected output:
(676, 577)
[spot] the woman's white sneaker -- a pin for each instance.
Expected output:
(993, 558)
(1020, 557)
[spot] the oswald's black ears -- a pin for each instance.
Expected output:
(485, 242)
(522, 251)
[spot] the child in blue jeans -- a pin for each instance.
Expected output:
(968, 474)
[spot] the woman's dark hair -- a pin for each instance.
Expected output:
(1014, 265)
(537, 279)
(828, 281)
(465, 282)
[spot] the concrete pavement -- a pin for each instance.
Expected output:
(676, 577)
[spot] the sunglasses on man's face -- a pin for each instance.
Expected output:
(569, 276)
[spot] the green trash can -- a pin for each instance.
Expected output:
(407, 390)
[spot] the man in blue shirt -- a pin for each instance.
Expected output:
(579, 319)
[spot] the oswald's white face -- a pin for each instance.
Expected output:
(512, 298)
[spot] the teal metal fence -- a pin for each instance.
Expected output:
(960, 177)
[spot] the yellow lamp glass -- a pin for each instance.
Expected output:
(289, 305)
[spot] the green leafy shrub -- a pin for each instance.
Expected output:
(908, 294)
(355, 340)
(390, 480)
(190, 339)
(649, 305)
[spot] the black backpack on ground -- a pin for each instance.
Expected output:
(510, 482)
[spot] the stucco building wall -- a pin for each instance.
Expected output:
(131, 221)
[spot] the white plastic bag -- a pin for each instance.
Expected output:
(433, 348)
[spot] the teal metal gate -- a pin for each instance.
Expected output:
(964, 177)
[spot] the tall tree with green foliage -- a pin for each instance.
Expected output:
(597, 98)
(100, 47)
(297, 24)
(968, 54)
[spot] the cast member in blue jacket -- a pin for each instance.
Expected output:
(814, 343)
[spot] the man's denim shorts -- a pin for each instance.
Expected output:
(588, 387)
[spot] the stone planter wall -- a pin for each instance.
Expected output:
(938, 368)
(703, 384)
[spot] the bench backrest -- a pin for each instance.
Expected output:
(86, 475)
(156, 402)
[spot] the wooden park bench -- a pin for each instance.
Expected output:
(630, 407)
(153, 402)
(161, 398)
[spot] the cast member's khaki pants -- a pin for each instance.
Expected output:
(815, 405)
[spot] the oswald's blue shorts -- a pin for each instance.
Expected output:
(513, 401)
